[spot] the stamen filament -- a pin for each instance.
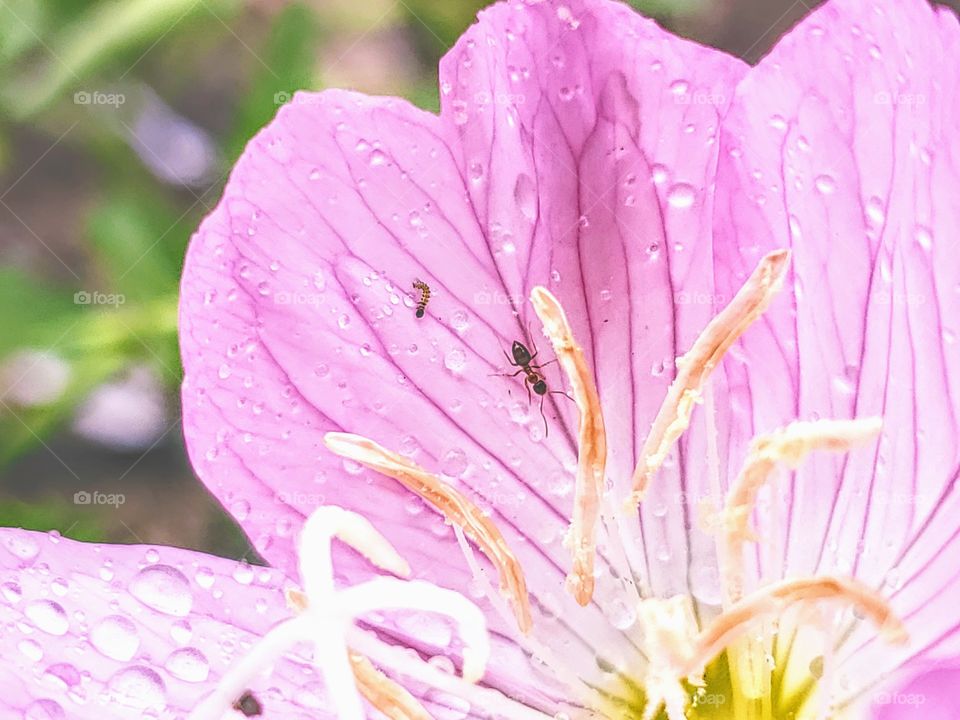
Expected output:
(695, 367)
(789, 445)
(774, 599)
(410, 665)
(456, 508)
(592, 445)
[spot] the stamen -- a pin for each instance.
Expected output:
(789, 445)
(592, 445)
(678, 652)
(456, 508)
(774, 599)
(388, 697)
(695, 367)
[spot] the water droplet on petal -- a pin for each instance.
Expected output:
(181, 632)
(681, 196)
(116, 637)
(48, 616)
(454, 463)
(924, 237)
(164, 589)
(825, 184)
(454, 360)
(188, 664)
(525, 194)
(138, 687)
(30, 649)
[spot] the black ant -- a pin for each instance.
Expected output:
(533, 378)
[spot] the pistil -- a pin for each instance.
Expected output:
(325, 615)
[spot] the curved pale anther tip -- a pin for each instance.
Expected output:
(297, 600)
(697, 364)
(356, 531)
(591, 442)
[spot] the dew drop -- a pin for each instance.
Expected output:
(11, 592)
(188, 664)
(621, 614)
(44, 710)
(243, 574)
(876, 212)
(164, 589)
(681, 196)
(454, 360)
(138, 687)
(525, 195)
(454, 463)
(825, 184)
(924, 237)
(181, 632)
(30, 649)
(204, 577)
(116, 637)
(48, 616)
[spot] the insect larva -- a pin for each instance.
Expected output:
(424, 296)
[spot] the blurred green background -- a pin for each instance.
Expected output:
(119, 121)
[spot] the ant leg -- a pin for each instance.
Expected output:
(532, 342)
(506, 374)
(561, 392)
(526, 384)
(548, 362)
(546, 428)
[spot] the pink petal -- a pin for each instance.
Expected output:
(842, 146)
(572, 141)
(932, 692)
(125, 631)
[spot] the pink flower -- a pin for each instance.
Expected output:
(635, 196)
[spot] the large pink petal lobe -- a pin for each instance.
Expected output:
(575, 149)
(131, 631)
(842, 145)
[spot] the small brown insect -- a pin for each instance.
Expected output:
(248, 705)
(424, 296)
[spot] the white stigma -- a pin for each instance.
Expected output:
(327, 616)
